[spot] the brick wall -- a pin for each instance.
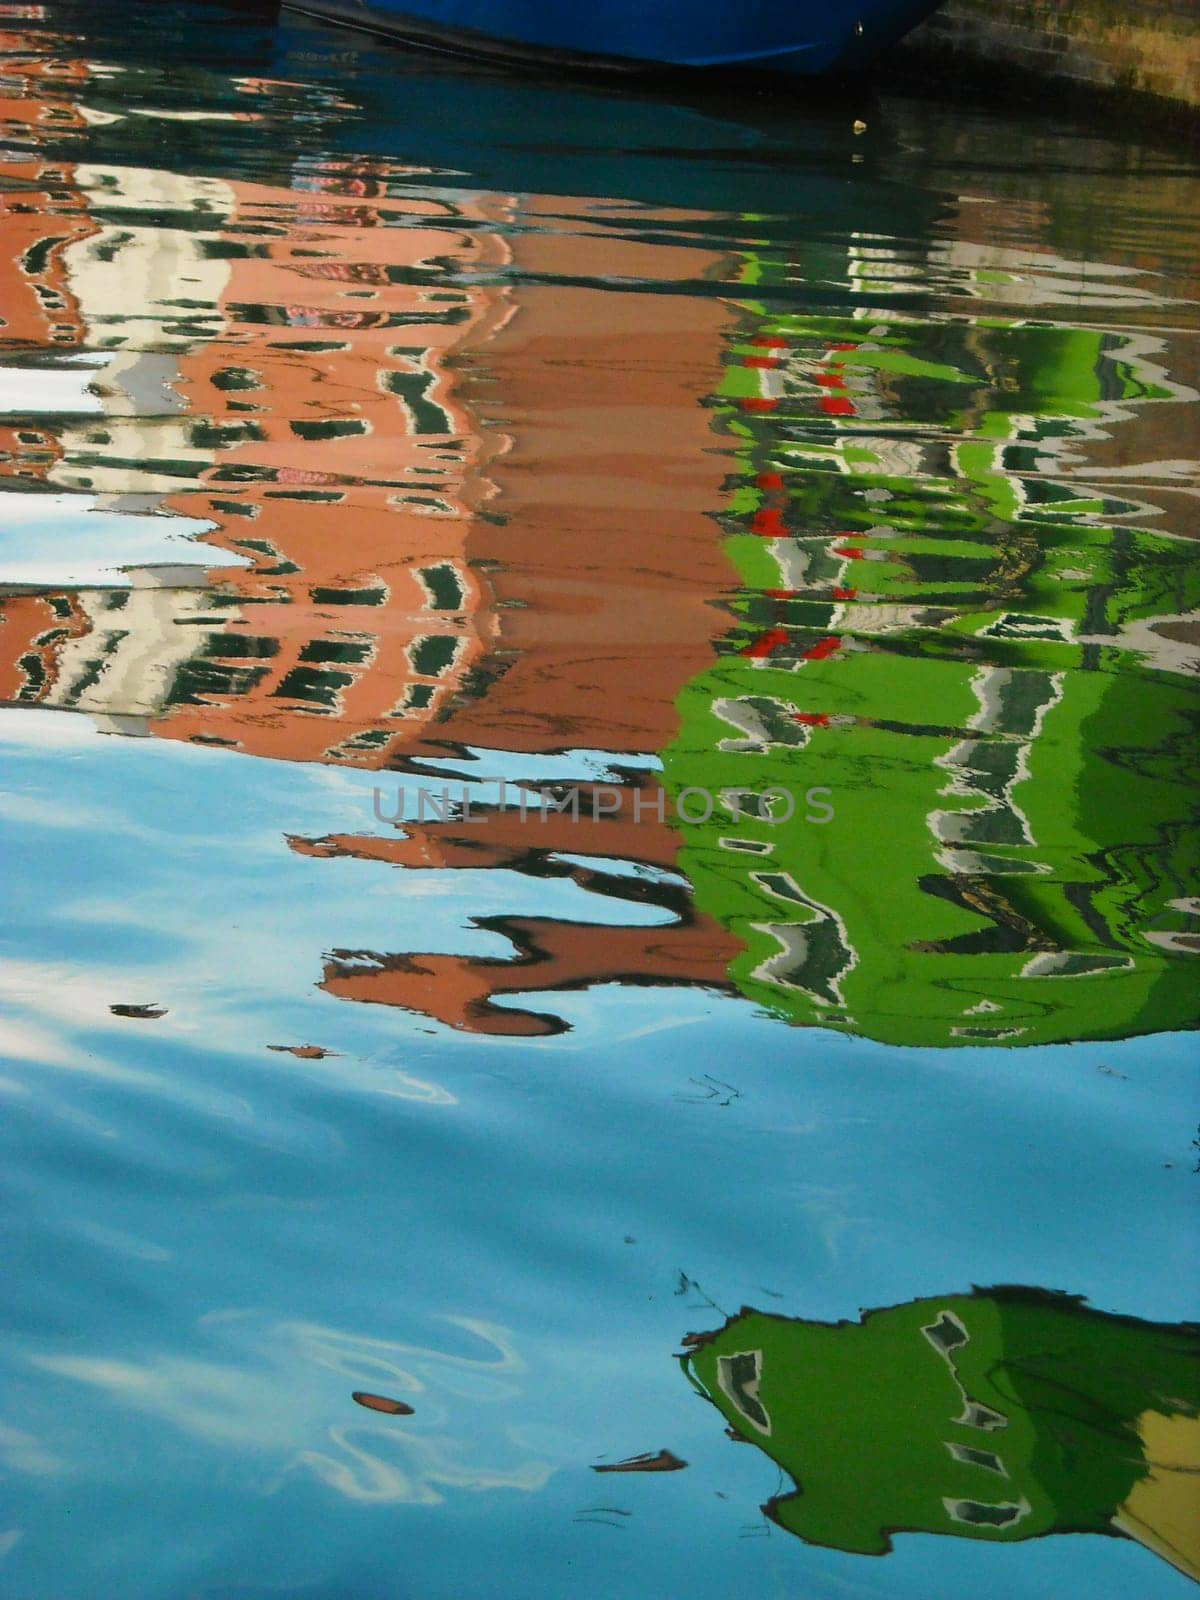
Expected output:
(1148, 46)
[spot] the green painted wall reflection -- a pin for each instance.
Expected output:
(978, 667)
(1003, 1415)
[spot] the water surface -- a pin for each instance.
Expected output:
(598, 708)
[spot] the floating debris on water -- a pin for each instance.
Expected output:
(664, 1461)
(382, 1402)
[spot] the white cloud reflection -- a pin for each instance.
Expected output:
(267, 1399)
(25, 1453)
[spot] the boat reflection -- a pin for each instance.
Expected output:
(458, 503)
(1004, 1414)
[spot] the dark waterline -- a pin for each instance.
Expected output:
(598, 696)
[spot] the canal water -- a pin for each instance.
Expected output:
(600, 886)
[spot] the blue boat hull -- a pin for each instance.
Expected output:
(807, 36)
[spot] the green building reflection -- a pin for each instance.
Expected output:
(981, 666)
(1004, 1414)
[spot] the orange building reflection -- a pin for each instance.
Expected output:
(444, 514)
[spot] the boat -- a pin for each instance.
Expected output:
(792, 36)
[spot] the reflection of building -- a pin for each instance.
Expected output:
(966, 659)
(43, 213)
(1002, 1415)
(307, 373)
(962, 648)
(472, 501)
(441, 554)
(550, 956)
(311, 420)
